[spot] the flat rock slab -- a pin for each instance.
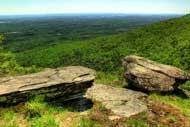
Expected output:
(66, 81)
(151, 76)
(120, 101)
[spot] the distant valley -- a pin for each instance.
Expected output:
(28, 32)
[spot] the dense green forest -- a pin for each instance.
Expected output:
(166, 41)
(28, 32)
(9, 65)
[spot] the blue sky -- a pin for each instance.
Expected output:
(94, 6)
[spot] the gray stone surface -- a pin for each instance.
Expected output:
(67, 82)
(151, 76)
(122, 102)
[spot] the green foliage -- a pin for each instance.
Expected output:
(86, 122)
(44, 121)
(35, 108)
(181, 103)
(26, 33)
(167, 42)
(186, 86)
(106, 78)
(9, 120)
(172, 118)
(9, 65)
(2, 38)
(136, 123)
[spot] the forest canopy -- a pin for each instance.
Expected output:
(8, 63)
(167, 42)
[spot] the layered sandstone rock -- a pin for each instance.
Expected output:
(63, 83)
(148, 75)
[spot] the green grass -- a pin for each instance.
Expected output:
(86, 122)
(172, 118)
(177, 101)
(186, 86)
(47, 120)
(35, 112)
(107, 78)
(41, 114)
(35, 109)
(9, 119)
(136, 123)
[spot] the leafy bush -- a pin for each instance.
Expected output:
(36, 107)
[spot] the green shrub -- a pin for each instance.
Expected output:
(35, 107)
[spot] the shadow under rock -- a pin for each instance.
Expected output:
(177, 92)
(77, 105)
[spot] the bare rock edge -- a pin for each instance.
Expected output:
(122, 102)
(65, 83)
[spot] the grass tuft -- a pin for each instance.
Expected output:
(44, 121)
(9, 120)
(86, 122)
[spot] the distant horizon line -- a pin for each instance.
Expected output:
(86, 13)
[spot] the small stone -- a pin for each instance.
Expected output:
(112, 118)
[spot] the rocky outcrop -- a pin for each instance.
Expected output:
(63, 83)
(148, 75)
(122, 102)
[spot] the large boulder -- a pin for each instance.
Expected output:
(63, 83)
(150, 76)
(122, 102)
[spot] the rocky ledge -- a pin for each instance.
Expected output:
(63, 83)
(150, 76)
(121, 102)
